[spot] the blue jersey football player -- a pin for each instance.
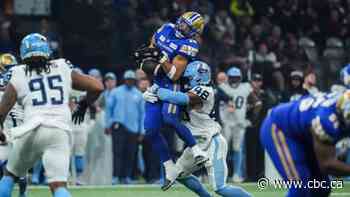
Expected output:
(178, 46)
(300, 138)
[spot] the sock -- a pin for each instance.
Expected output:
(192, 183)
(182, 131)
(229, 191)
(36, 172)
(237, 162)
(22, 184)
(6, 186)
(79, 164)
(159, 144)
(61, 192)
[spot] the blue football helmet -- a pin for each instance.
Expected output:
(345, 75)
(234, 72)
(234, 76)
(7, 61)
(35, 45)
(197, 73)
(190, 24)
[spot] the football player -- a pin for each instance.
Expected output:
(42, 86)
(13, 119)
(300, 138)
(179, 45)
(234, 120)
(200, 102)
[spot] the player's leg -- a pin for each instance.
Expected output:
(56, 157)
(22, 185)
(171, 116)
(80, 140)
(184, 163)
(238, 140)
(289, 157)
(37, 169)
(218, 170)
(22, 156)
(153, 124)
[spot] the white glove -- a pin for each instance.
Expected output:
(150, 96)
(153, 89)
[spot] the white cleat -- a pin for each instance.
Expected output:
(171, 175)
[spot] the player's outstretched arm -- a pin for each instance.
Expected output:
(179, 98)
(328, 162)
(92, 86)
(7, 102)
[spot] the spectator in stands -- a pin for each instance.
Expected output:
(310, 81)
(221, 99)
(295, 86)
(126, 123)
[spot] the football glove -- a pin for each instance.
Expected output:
(79, 112)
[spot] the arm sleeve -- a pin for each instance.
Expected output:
(226, 89)
(179, 98)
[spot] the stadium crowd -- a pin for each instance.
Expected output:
(282, 48)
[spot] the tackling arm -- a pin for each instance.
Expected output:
(178, 98)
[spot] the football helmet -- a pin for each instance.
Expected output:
(190, 24)
(197, 73)
(35, 45)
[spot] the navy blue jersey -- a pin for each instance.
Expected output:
(167, 40)
(296, 119)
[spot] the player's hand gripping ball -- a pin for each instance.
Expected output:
(147, 58)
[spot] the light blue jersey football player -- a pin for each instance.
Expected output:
(199, 100)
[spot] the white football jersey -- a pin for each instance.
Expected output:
(15, 117)
(239, 98)
(200, 123)
(45, 97)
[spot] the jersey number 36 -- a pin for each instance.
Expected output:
(54, 85)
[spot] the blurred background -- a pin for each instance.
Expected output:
(283, 48)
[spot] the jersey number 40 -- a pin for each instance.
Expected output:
(54, 84)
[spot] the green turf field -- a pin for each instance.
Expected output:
(154, 191)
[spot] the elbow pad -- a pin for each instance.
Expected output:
(179, 98)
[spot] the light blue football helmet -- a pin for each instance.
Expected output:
(345, 76)
(198, 73)
(35, 45)
(234, 72)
